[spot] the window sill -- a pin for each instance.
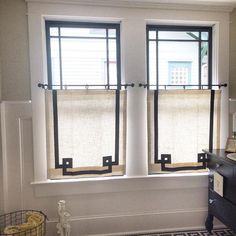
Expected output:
(120, 184)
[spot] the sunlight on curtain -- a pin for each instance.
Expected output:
(86, 129)
(183, 124)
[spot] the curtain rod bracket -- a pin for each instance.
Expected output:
(129, 85)
(223, 85)
(44, 86)
(143, 85)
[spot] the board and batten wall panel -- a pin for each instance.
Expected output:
(141, 204)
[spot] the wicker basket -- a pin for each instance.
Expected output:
(23, 223)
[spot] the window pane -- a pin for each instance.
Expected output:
(112, 62)
(55, 61)
(152, 63)
(54, 31)
(111, 33)
(178, 35)
(204, 35)
(204, 62)
(152, 34)
(83, 61)
(83, 32)
(179, 52)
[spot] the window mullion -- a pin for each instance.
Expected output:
(60, 58)
(147, 51)
(48, 46)
(118, 58)
(157, 62)
(199, 61)
(107, 55)
(210, 58)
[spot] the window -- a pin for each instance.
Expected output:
(183, 108)
(83, 54)
(179, 51)
(85, 104)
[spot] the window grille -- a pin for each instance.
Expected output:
(183, 108)
(85, 103)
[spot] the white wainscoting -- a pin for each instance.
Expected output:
(110, 207)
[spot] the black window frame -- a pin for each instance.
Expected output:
(199, 29)
(107, 160)
(70, 24)
(166, 158)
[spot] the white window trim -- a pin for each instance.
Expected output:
(120, 184)
(133, 66)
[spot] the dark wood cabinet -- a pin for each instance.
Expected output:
(221, 207)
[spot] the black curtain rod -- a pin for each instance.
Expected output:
(185, 85)
(46, 86)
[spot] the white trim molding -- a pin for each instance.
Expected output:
(155, 222)
(120, 184)
(202, 5)
(16, 131)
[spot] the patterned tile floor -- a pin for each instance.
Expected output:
(216, 232)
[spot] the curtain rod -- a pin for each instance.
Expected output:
(86, 86)
(185, 85)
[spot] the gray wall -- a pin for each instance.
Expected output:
(232, 65)
(1, 174)
(14, 59)
(15, 79)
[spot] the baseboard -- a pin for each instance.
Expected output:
(135, 223)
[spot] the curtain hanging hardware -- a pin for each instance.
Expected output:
(128, 85)
(184, 86)
(143, 85)
(43, 86)
(86, 86)
(223, 85)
